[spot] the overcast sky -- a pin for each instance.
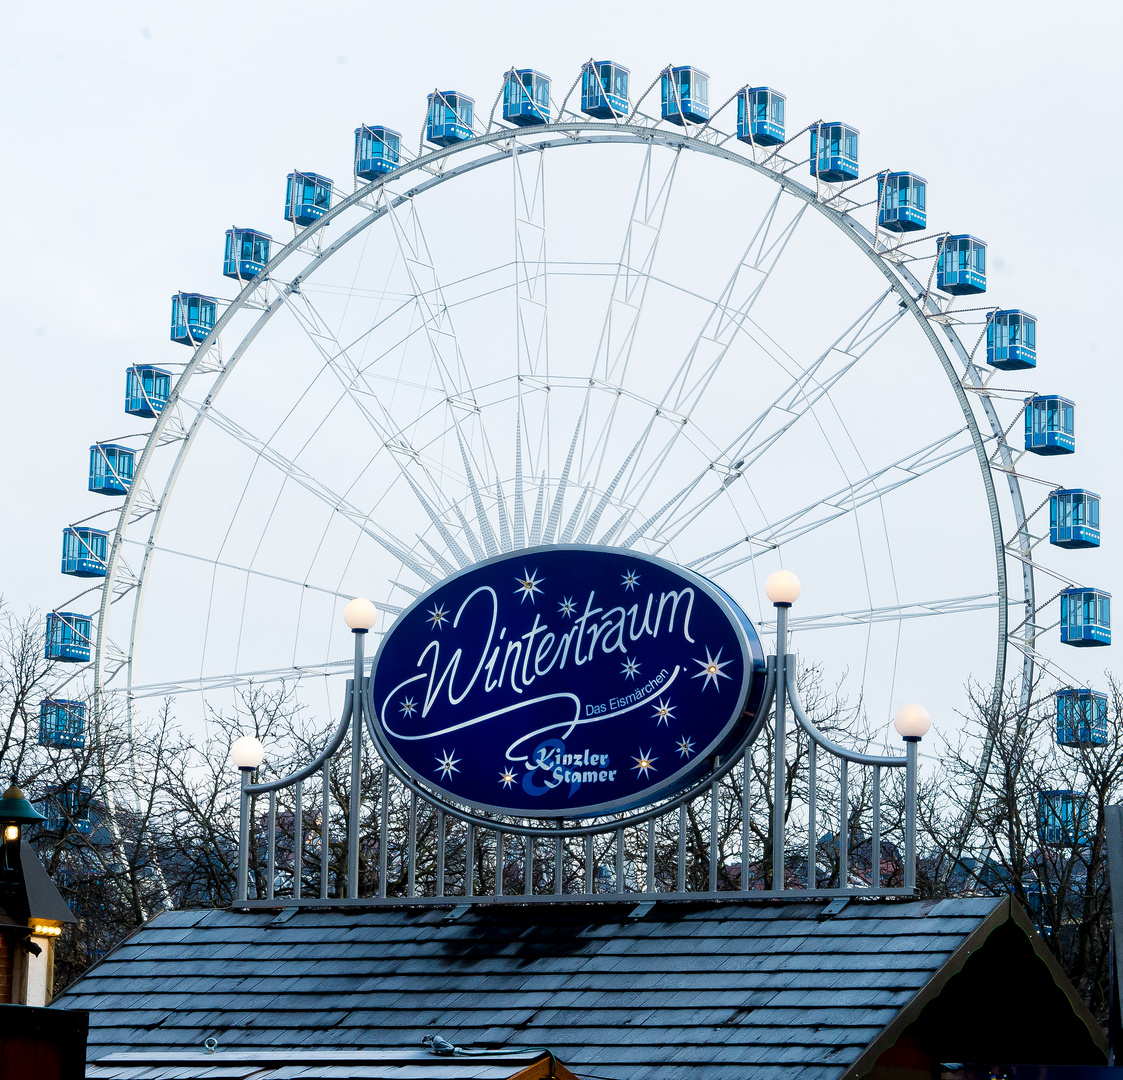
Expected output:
(134, 134)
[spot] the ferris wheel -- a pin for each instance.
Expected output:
(603, 317)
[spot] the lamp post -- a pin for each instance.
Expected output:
(360, 615)
(783, 589)
(247, 754)
(912, 723)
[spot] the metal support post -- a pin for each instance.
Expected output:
(778, 762)
(910, 811)
(244, 837)
(356, 769)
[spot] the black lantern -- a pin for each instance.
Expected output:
(15, 813)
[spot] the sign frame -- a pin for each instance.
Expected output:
(732, 738)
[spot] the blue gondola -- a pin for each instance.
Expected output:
(67, 807)
(147, 390)
(760, 116)
(604, 90)
(834, 152)
(1011, 340)
(961, 265)
(378, 150)
(1081, 717)
(526, 97)
(450, 117)
(1062, 818)
(686, 95)
(1074, 518)
(62, 724)
(247, 252)
(111, 468)
(193, 317)
(68, 637)
(1085, 617)
(1049, 425)
(307, 197)
(902, 200)
(84, 551)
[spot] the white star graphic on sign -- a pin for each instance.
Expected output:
(644, 764)
(664, 712)
(685, 746)
(446, 764)
(507, 777)
(438, 616)
(631, 669)
(630, 581)
(528, 584)
(567, 607)
(711, 670)
(408, 707)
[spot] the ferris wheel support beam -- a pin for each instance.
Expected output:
(447, 357)
(845, 500)
(717, 334)
(393, 439)
(625, 303)
(483, 151)
(787, 408)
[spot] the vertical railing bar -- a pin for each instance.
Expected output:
(559, 858)
(910, 812)
(812, 827)
(411, 870)
(875, 840)
(272, 857)
(779, 753)
(651, 855)
(298, 841)
(528, 866)
(590, 883)
(745, 821)
(243, 834)
(325, 833)
(440, 853)
(844, 828)
(713, 834)
(619, 861)
(470, 861)
(681, 883)
(498, 862)
(383, 831)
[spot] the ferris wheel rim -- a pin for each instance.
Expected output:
(508, 141)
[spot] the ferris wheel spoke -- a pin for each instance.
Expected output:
(797, 400)
(449, 361)
(626, 299)
(404, 453)
(716, 336)
(251, 571)
(846, 500)
(532, 341)
(920, 609)
(271, 456)
(203, 683)
(729, 312)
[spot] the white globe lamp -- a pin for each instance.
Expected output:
(912, 722)
(783, 588)
(360, 614)
(247, 753)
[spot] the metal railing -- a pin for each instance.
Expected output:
(723, 838)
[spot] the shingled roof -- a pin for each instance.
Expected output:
(664, 990)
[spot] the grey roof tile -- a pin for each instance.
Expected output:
(681, 994)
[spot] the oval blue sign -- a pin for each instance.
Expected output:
(566, 681)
